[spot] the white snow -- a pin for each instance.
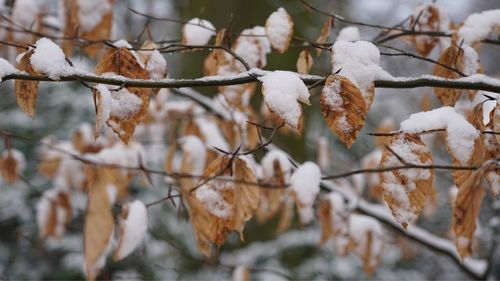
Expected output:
(461, 135)
(197, 32)
(194, 147)
(359, 62)
(478, 26)
(132, 228)
(156, 66)
(404, 212)
(240, 273)
(471, 60)
(281, 90)
(267, 163)
(49, 58)
(359, 228)
(91, 12)
(279, 29)
(6, 68)
(213, 201)
(305, 182)
(350, 33)
(252, 46)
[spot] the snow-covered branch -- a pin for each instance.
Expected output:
(475, 82)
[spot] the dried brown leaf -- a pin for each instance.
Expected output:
(452, 57)
(305, 62)
(325, 32)
(123, 62)
(343, 108)
(466, 211)
(26, 90)
(406, 190)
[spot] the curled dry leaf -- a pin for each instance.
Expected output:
(26, 90)
(12, 164)
(325, 32)
(462, 59)
(366, 240)
(53, 213)
(241, 273)
(406, 190)
(279, 30)
(466, 211)
(343, 108)
(424, 18)
(124, 108)
(305, 62)
(227, 197)
(89, 20)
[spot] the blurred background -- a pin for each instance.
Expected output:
(170, 252)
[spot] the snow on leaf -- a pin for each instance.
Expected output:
(491, 146)
(426, 17)
(279, 29)
(406, 190)
(194, 155)
(252, 46)
(463, 59)
(325, 33)
(466, 211)
(6, 68)
(276, 171)
(133, 227)
(366, 240)
(305, 62)
(128, 105)
(332, 215)
(478, 26)
(225, 200)
(48, 58)
(343, 108)
(53, 212)
(359, 62)
(26, 90)
(350, 33)
(98, 229)
(90, 20)
(305, 183)
(197, 32)
(282, 90)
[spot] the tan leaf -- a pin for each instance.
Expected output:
(272, 198)
(425, 17)
(279, 30)
(496, 121)
(406, 190)
(53, 213)
(285, 218)
(343, 108)
(241, 273)
(491, 145)
(466, 210)
(101, 31)
(247, 196)
(325, 218)
(366, 240)
(225, 200)
(123, 62)
(454, 58)
(305, 62)
(98, 229)
(216, 57)
(325, 32)
(12, 163)
(26, 90)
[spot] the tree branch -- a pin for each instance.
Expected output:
(475, 82)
